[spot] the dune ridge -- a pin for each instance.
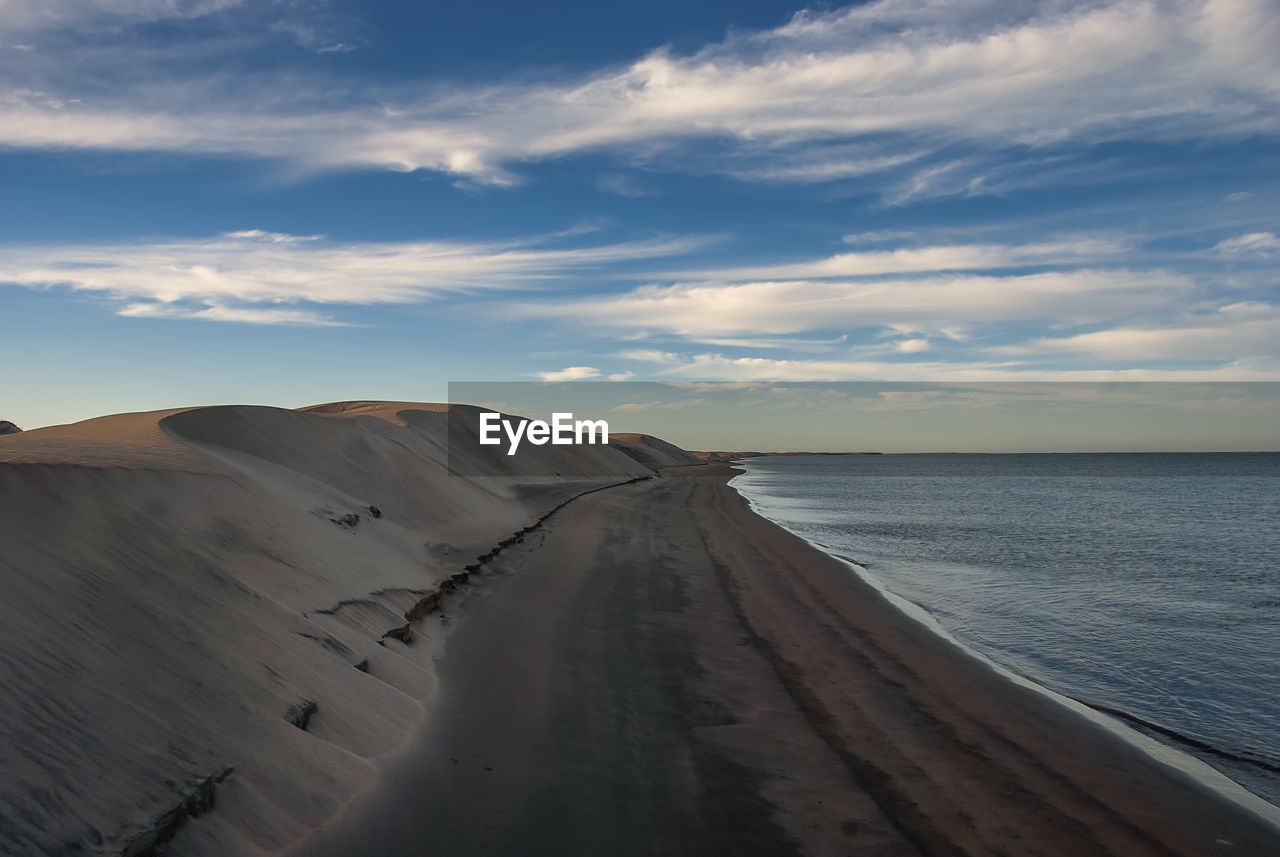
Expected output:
(236, 605)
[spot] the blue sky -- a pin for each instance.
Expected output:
(293, 202)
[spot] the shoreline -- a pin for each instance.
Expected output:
(857, 726)
(1212, 779)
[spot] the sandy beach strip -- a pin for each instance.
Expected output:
(665, 672)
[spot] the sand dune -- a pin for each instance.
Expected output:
(181, 591)
(120, 440)
(652, 451)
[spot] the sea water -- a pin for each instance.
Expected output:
(1145, 585)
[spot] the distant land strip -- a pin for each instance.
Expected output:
(733, 456)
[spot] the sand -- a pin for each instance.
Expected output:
(664, 672)
(203, 649)
(178, 588)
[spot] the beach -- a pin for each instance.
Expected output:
(663, 671)
(257, 631)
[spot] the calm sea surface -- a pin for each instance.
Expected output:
(1147, 584)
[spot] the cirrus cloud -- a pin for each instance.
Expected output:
(898, 77)
(911, 260)
(245, 275)
(1248, 329)
(699, 310)
(718, 367)
(1264, 244)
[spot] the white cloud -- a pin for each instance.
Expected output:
(239, 315)
(900, 76)
(38, 14)
(807, 168)
(878, 236)
(1062, 324)
(650, 355)
(312, 24)
(712, 310)
(231, 276)
(273, 237)
(1235, 331)
(791, 343)
(952, 257)
(1253, 244)
(716, 367)
(570, 373)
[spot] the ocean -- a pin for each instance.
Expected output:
(1144, 585)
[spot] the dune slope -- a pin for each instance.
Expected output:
(227, 604)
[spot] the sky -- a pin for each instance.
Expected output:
(296, 201)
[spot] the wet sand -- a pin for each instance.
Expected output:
(661, 671)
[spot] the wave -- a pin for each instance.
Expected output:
(1187, 740)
